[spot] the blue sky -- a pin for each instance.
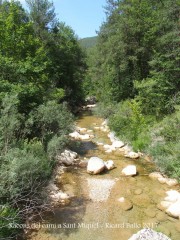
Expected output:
(84, 16)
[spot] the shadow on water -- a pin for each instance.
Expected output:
(83, 147)
(68, 218)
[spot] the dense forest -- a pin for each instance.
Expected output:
(133, 69)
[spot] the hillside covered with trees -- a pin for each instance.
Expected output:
(88, 42)
(134, 71)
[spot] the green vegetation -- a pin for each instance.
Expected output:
(134, 72)
(88, 42)
(42, 67)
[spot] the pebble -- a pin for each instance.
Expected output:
(138, 191)
(125, 204)
(150, 212)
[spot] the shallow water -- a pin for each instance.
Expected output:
(101, 218)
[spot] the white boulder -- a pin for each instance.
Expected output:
(149, 234)
(130, 170)
(109, 164)
(117, 144)
(67, 157)
(172, 196)
(174, 209)
(95, 165)
(171, 203)
(74, 135)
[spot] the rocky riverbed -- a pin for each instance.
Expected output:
(111, 204)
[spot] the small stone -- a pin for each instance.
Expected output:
(132, 155)
(171, 182)
(109, 164)
(125, 204)
(130, 170)
(162, 180)
(155, 175)
(150, 212)
(83, 164)
(138, 191)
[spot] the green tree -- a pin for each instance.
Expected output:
(42, 14)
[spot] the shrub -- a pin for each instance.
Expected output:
(22, 168)
(49, 119)
(165, 146)
(128, 121)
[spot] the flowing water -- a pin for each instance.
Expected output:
(94, 211)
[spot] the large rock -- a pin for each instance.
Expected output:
(130, 170)
(95, 165)
(172, 196)
(171, 204)
(109, 164)
(149, 234)
(174, 209)
(67, 157)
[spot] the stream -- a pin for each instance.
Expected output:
(94, 211)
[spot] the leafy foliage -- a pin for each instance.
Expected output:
(42, 68)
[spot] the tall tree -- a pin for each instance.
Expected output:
(42, 14)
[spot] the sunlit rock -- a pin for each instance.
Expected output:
(74, 135)
(155, 175)
(162, 180)
(129, 170)
(174, 209)
(67, 157)
(117, 144)
(171, 182)
(172, 196)
(149, 234)
(164, 205)
(109, 164)
(95, 165)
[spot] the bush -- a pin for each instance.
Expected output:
(22, 168)
(105, 110)
(128, 121)
(8, 217)
(48, 120)
(165, 146)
